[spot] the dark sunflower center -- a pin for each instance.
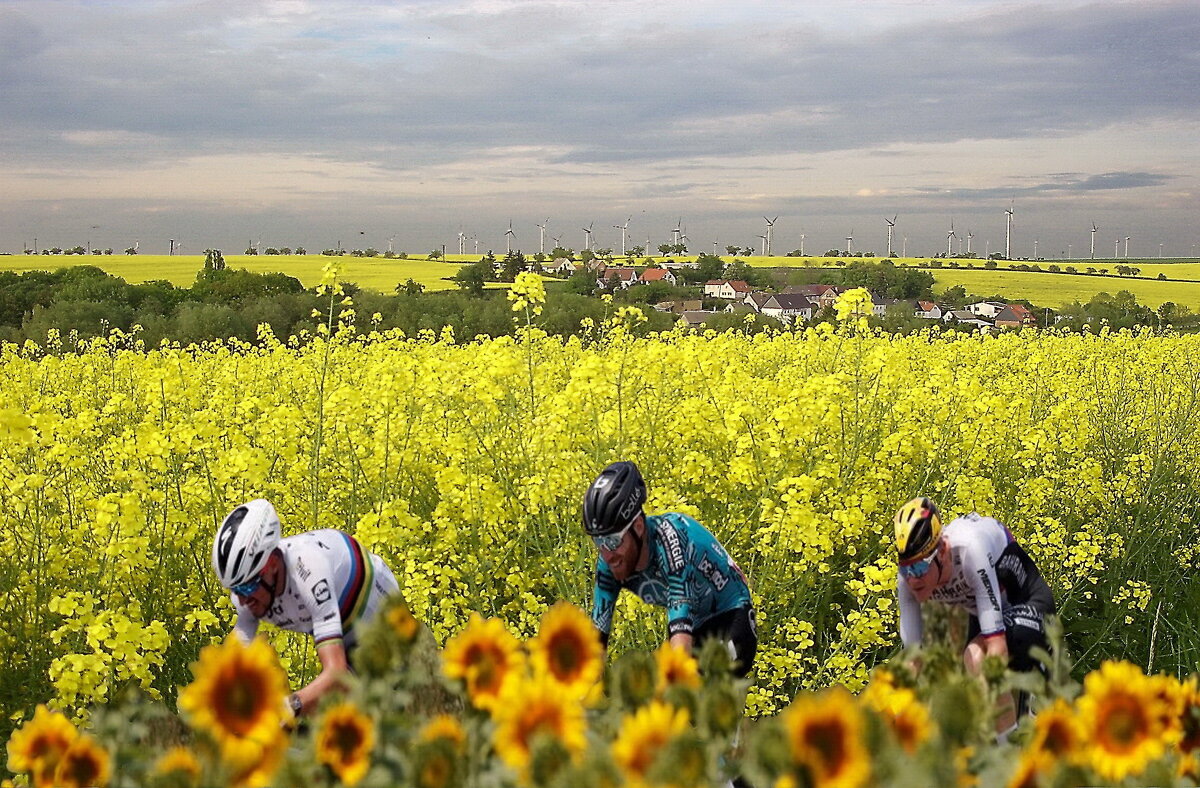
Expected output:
(828, 738)
(1125, 724)
(566, 655)
(347, 738)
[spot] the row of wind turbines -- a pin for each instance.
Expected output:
(679, 236)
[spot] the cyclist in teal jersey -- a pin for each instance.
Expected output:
(668, 560)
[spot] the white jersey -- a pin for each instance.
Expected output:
(976, 544)
(332, 584)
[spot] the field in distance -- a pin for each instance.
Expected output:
(371, 273)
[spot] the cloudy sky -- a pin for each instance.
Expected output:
(312, 123)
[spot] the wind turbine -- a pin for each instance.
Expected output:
(1116, 248)
(970, 235)
(890, 224)
(1127, 247)
(509, 235)
(764, 244)
(1035, 243)
(849, 241)
(949, 238)
(624, 228)
(587, 236)
(767, 240)
(392, 241)
(542, 233)
(1008, 213)
(801, 244)
(677, 232)
(1094, 229)
(462, 242)
(475, 238)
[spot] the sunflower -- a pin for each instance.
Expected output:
(251, 763)
(344, 742)
(179, 763)
(1189, 716)
(400, 620)
(38, 745)
(530, 708)
(484, 655)
(444, 727)
(568, 650)
(85, 764)
(436, 764)
(1172, 699)
(643, 734)
(238, 695)
(676, 667)
(906, 716)
(825, 733)
(1029, 769)
(1056, 732)
(1123, 720)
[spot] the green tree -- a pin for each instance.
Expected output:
(471, 278)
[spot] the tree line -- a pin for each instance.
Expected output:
(222, 303)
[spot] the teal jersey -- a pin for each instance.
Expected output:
(689, 574)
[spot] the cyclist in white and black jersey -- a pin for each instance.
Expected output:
(321, 583)
(973, 563)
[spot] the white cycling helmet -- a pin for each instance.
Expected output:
(245, 541)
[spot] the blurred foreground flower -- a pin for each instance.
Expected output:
(535, 708)
(37, 747)
(825, 734)
(484, 655)
(567, 650)
(1122, 719)
(345, 740)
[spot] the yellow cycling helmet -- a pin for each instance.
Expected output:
(918, 528)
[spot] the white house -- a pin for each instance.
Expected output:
(559, 265)
(789, 307)
(963, 317)
(658, 275)
(929, 310)
(756, 300)
(617, 277)
(728, 289)
(986, 308)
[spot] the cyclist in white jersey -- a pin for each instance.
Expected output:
(321, 583)
(974, 563)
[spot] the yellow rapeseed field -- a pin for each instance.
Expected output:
(462, 463)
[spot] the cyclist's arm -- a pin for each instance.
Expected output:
(334, 665)
(678, 571)
(681, 640)
(911, 624)
(604, 600)
(987, 600)
(246, 626)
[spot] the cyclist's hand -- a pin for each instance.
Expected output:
(287, 719)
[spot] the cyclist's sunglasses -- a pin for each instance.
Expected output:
(610, 542)
(247, 588)
(917, 568)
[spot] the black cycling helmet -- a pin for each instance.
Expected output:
(614, 499)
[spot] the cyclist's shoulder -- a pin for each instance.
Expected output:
(323, 542)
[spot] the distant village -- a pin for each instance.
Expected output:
(795, 305)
